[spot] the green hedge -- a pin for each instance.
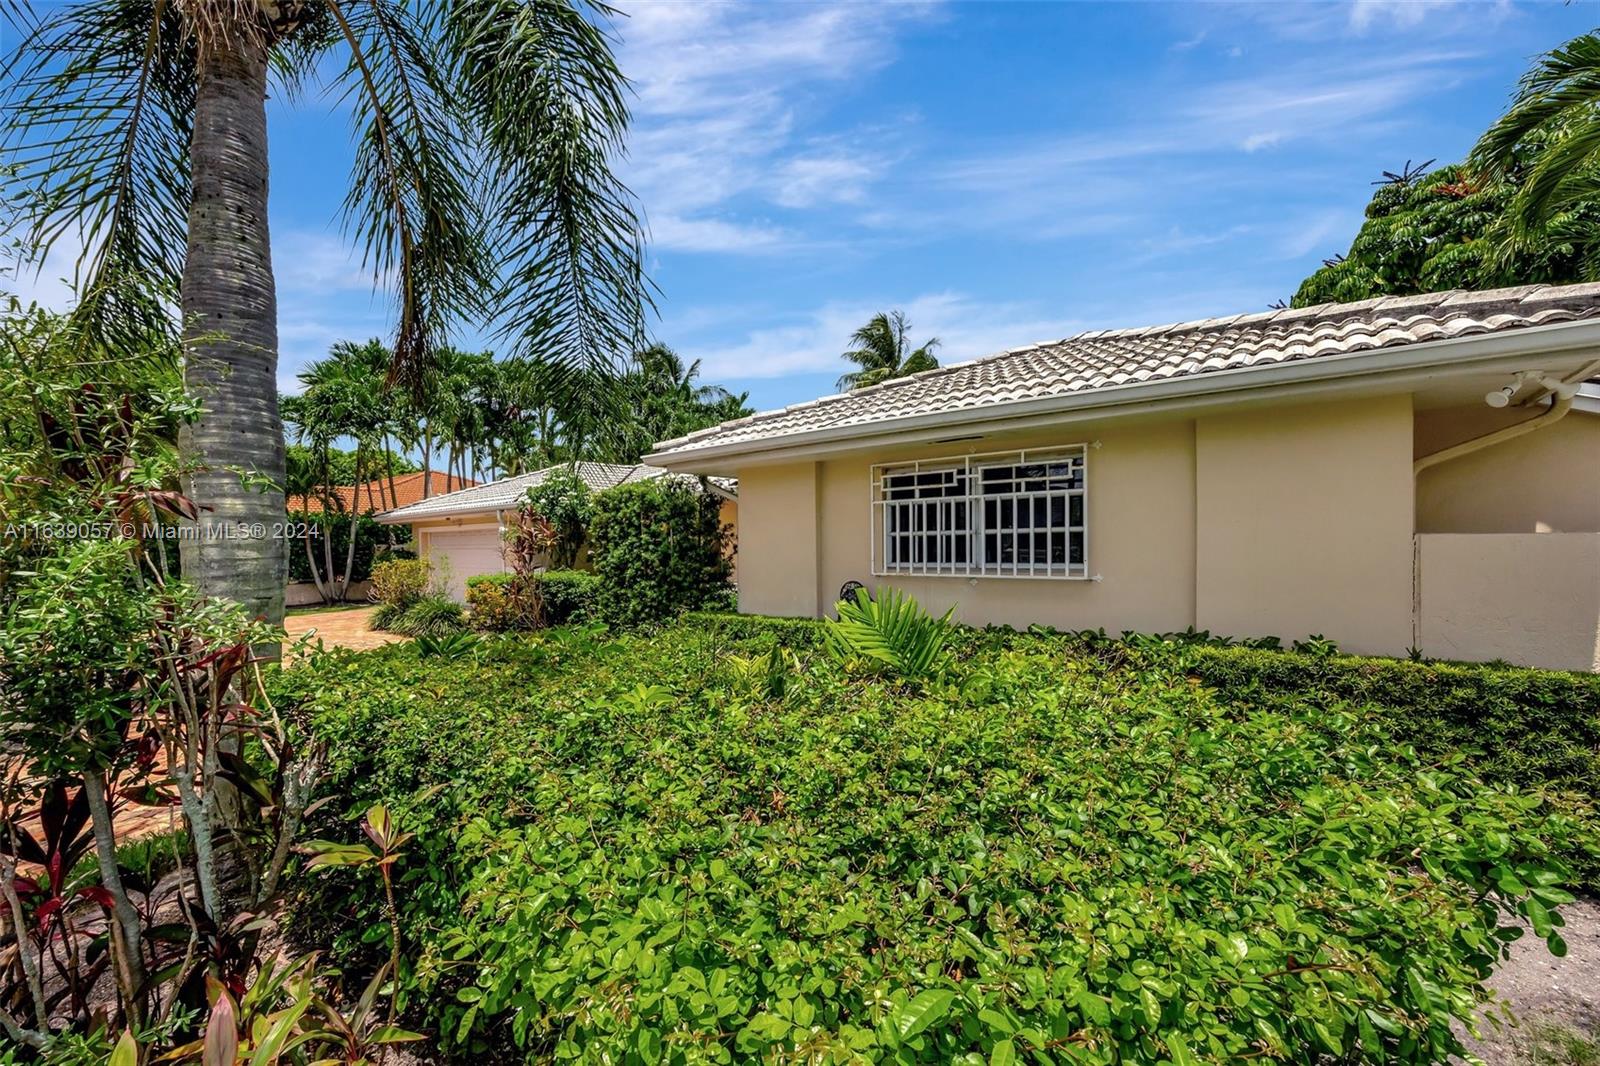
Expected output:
(639, 848)
(1532, 728)
(660, 549)
(498, 601)
(569, 595)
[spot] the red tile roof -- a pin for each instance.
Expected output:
(375, 495)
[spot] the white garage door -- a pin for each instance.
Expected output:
(464, 553)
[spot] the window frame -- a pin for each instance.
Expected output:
(976, 563)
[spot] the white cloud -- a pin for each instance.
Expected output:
(1264, 139)
(807, 181)
(714, 235)
(724, 92)
(318, 262)
(811, 342)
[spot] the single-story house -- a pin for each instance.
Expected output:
(1408, 472)
(380, 494)
(463, 532)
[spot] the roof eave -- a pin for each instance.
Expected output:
(1474, 353)
(398, 517)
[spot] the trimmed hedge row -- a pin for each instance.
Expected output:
(1532, 728)
(681, 846)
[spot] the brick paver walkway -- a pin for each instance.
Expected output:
(340, 629)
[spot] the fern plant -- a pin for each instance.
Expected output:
(893, 632)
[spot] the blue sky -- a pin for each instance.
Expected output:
(1005, 173)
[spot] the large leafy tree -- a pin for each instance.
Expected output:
(881, 350)
(483, 186)
(1429, 232)
(1524, 208)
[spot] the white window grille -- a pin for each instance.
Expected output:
(1006, 514)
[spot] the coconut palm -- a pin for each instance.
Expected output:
(882, 352)
(1548, 143)
(483, 186)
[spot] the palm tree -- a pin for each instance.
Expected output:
(882, 352)
(1548, 143)
(483, 188)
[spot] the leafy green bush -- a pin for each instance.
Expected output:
(563, 499)
(893, 632)
(434, 615)
(660, 549)
(568, 595)
(401, 582)
(503, 602)
(1531, 728)
(687, 845)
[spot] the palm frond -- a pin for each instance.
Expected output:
(893, 632)
(96, 127)
(410, 206)
(537, 77)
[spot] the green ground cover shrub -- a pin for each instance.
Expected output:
(711, 843)
(501, 602)
(401, 582)
(660, 549)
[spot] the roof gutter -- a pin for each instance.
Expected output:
(398, 517)
(1402, 364)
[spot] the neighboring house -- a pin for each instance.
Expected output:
(379, 495)
(1419, 471)
(462, 532)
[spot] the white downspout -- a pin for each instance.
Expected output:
(1556, 413)
(1561, 390)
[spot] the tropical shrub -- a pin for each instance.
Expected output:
(708, 843)
(401, 582)
(562, 499)
(432, 614)
(1528, 728)
(120, 684)
(502, 602)
(660, 549)
(892, 632)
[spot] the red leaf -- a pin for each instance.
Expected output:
(99, 894)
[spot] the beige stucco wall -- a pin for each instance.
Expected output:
(778, 540)
(1141, 537)
(1304, 523)
(1527, 598)
(1285, 522)
(1545, 482)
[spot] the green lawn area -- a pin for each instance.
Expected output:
(719, 842)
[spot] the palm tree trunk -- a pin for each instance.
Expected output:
(427, 459)
(234, 452)
(355, 525)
